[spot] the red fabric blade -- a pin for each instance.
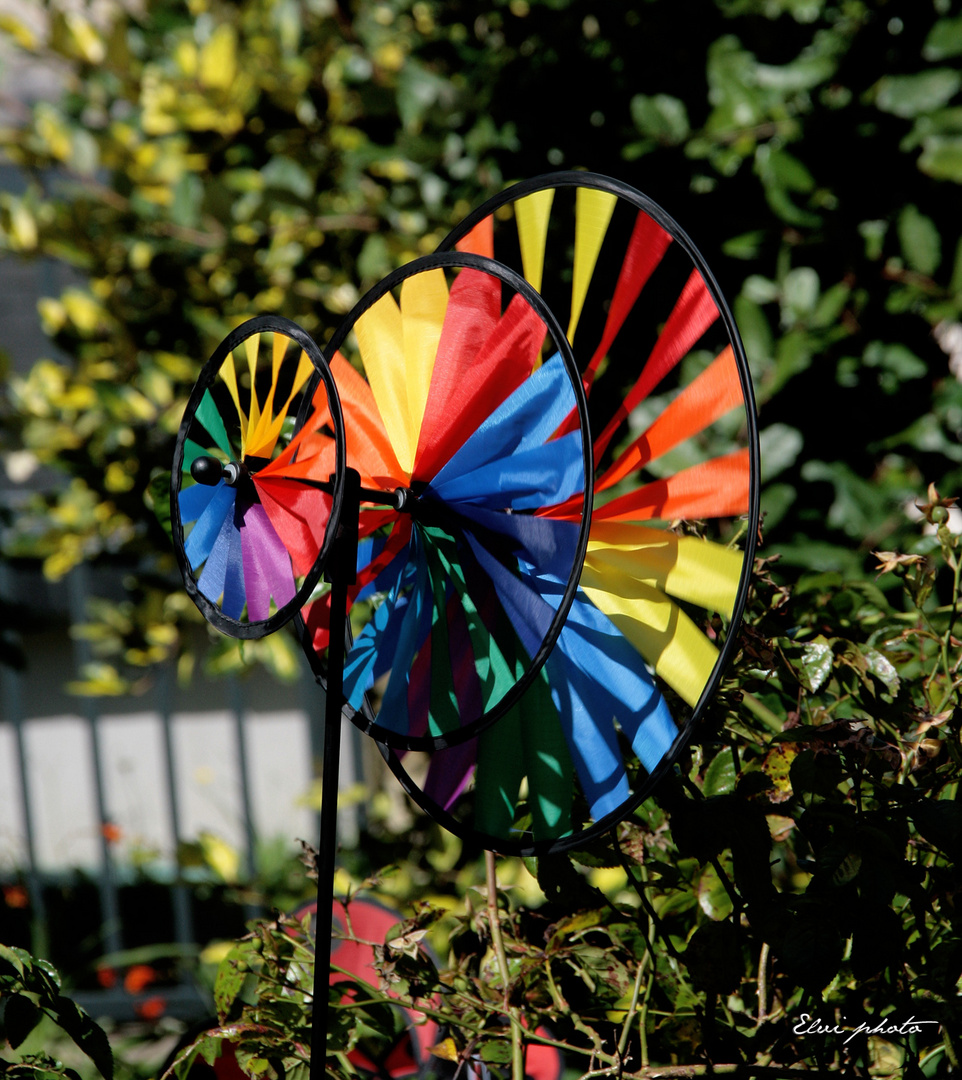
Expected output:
(473, 378)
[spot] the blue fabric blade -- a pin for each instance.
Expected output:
(378, 638)
(596, 677)
(235, 592)
(194, 500)
(596, 647)
(593, 743)
(211, 581)
(393, 713)
(372, 653)
(197, 546)
(542, 542)
(524, 479)
(524, 420)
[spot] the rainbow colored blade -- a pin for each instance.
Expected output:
(250, 535)
(455, 383)
(672, 530)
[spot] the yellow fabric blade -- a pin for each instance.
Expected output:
(424, 300)
(252, 347)
(686, 567)
(532, 213)
(260, 433)
(657, 627)
(272, 430)
(593, 210)
(229, 374)
(380, 339)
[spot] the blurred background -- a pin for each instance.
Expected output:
(169, 168)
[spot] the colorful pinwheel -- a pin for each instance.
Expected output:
(250, 536)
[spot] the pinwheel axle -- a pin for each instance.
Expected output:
(209, 471)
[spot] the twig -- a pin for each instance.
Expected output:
(517, 1051)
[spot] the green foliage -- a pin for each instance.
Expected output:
(799, 863)
(30, 990)
(208, 161)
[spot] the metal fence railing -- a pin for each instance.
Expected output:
(88, 784)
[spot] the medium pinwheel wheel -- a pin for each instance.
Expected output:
(672, 531)
(454, 393)
(251, 537)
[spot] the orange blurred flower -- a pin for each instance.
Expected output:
(139, 976)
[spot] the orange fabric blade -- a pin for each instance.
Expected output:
(711, 489)
(714, 392)
(480, 240)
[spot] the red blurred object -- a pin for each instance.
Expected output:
(151, 1008)
(138, 977)
(409, 1056)
(15, 896)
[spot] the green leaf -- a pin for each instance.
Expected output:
(720, 776)
(20, 1017)
(89, 1036)
(910, 95)
(816, 663)
(816, 774)
(284, 174)
(780, 446)
(943, 40)
(713, 897)
(882, 668)
(496, 1053)
(920, 240)
(661, 117)
(942, 158)
(231, 976)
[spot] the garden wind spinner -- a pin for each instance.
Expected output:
(527, 469)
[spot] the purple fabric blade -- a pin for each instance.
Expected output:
(267, 566)
(450, 772)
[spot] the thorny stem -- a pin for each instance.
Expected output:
(737, 1069)
(763, 983)
(630, 1015)
(517, 1052)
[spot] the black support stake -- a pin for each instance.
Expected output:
(341, 572)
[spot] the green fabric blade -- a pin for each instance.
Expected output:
(498, 775)
(548, 762)
(496, 673)
(208, 415)
(191, 453)
(443, 712)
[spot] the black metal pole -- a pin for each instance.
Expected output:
(342, 571)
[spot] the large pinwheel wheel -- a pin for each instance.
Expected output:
(672, 529)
